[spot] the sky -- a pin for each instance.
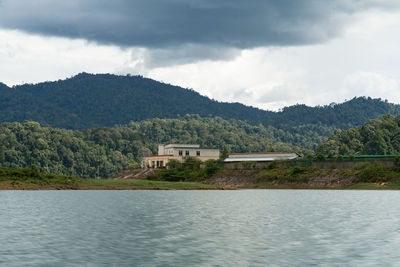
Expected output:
(264, 53)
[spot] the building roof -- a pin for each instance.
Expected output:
(182, 146)
(271, 158)
(262, 156)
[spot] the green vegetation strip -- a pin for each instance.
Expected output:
(30, 178)
(140, 184)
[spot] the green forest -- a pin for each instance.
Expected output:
(101, 152)
(376, 137)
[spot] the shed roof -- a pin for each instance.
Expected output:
(261, 158)
(263, 154)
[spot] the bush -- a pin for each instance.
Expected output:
(271, 166)
(296, 171)
(270, 175)
(371, 173)
(174, 164)
(191, 163)
(397, 160)
(320, 157)
(189, 170)
(34, 171)
(248, 165)
(211, 167)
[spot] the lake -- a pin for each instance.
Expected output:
(200, 228)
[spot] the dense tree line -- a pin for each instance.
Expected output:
(104, 100)
(376, 137)
(56, 151)
(100, 152)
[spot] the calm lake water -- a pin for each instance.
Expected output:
(200, 228)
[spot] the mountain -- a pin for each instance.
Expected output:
(87, 100)
(376, 137)
(103, 100)
(352, 113)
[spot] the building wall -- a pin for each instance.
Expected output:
(182, 159)
(179, 152)
(173, 149)
(192, 152)
(161, 150)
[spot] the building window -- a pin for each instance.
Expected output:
(187, 153)
(180, 152)
(198, 153)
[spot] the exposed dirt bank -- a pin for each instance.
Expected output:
(310, 179)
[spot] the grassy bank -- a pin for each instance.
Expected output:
(371, 176)
(31, 179)
(131, 184)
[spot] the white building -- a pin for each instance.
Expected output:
(179, 152)
(261, 157)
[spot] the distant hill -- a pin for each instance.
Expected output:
(102, 100)
(87, 100)
(352, 113)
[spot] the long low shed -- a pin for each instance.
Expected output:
(261, 157)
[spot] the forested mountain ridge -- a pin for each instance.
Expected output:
(376, 137)
(104, 100)
(352, 113)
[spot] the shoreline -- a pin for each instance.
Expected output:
(141, 185)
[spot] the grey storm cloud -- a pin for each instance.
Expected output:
(162, 25)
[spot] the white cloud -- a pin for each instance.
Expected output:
(363, 62)
(32, 58)
(374, 85)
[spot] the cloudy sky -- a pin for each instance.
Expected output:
(264, 53)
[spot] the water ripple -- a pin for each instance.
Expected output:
(199, 228)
